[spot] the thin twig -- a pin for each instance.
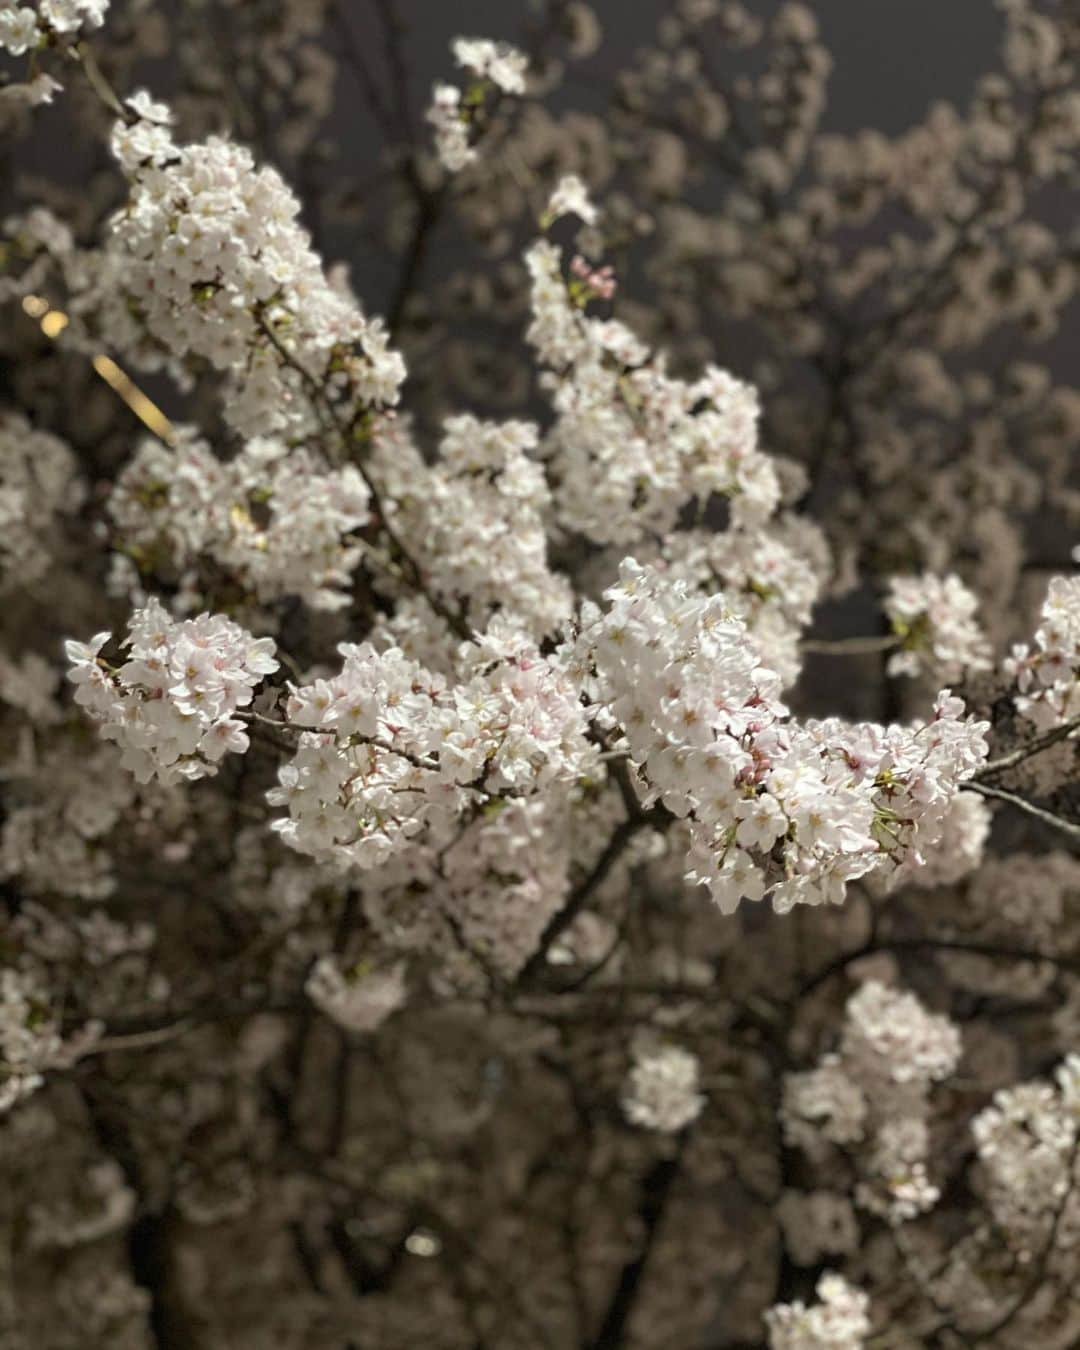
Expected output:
(140, 1040)
(1040, 813)
(657, 1187)
(83, 55)
(852, 646)
(956, 945)
(580, 896)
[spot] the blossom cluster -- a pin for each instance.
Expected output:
(840, 1321)
(1023, 898)
(212, 264)
(465, 941)
(39, 482)
(62, 809)
(661, 1089)
(958, 849)
(172, 705)
(31, 1043)
(793, 810)
(935, 620)
(891, 1032)
(356, 1000)
(388, 748)
(479, 892)
(23, 29)
(462, 795)
(1027, 1146)
(631, 445)
(30, 684)
(771, 578)
(874, 1092)
(276, 521)
(498, 68)
(476, 521)
(1047, 675)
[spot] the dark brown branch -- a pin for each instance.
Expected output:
(1035, 747)
(656, 1190)
(580, 896)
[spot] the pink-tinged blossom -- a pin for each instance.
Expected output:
(935, 621)
(776, 807)
(1047, 675)
(391, 753)
(171, 707)
(209, 254)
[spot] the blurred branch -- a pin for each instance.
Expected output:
(1056, 822)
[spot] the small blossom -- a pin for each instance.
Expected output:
(661, 1092)
(571, 198)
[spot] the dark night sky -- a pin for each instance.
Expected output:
(892, 57)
